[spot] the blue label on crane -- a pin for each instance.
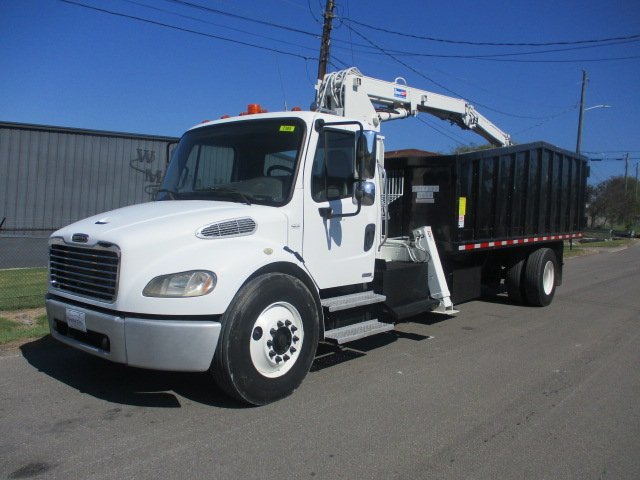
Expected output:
(399, 92)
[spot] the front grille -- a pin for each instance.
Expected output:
(87, 271)
(230, 228)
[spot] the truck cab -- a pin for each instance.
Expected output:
(258, 213)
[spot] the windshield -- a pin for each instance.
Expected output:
(247, 162)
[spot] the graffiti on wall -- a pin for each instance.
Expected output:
(146, 163)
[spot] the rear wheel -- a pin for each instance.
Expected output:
(268, 340)
(514, 281)
(540, 277)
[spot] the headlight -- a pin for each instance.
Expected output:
(183, 284)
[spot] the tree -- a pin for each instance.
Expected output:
(610, 202)
(471, 148)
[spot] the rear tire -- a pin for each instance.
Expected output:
(540, 277)
(515, 282)
(268, 340)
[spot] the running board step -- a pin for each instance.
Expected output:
(357, 331)
(351, 301)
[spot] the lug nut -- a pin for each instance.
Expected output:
(269, 343)
(293, 329)
(286, 357)
(272, 353)
(292, 350)
(295, 339)
(272, 331)
(278, 359)
(280, 324)
(287, 322)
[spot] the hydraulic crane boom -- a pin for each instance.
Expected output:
(348, 93)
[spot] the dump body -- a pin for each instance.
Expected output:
(471, 200)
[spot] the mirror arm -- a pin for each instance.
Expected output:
(327, 212)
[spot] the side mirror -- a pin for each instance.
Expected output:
(364, 193)
(365, 166)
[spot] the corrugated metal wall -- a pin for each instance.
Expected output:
(51, 176)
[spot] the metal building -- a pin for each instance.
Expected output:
(53, 176)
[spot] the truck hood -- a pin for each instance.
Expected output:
(159, 238)
(154, 221)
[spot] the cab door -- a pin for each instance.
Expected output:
(338, 246)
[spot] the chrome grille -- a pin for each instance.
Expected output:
(87, 271)
(229, 228)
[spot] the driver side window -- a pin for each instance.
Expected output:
(332, 175)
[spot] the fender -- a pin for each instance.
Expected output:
(296, 271)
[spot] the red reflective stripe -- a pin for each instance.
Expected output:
(516, 241)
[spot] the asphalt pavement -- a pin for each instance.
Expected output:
(498, 392)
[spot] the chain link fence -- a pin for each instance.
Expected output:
(23, 271)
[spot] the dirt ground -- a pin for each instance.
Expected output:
(27, 316)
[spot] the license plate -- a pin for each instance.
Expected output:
(75, 320)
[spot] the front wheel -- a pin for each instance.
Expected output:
(268, 339)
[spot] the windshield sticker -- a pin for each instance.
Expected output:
(287, 128)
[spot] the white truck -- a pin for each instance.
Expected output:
(268, 235)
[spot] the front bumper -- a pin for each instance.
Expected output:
(158, 344)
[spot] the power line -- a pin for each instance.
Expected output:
(491, 44)
(441, 132)
(487, 58)
(201, 20)
(600, 152)
(195, 32)
(317, 20)
(514, 54)
(573, 107)
(417, 72)
(259, 21)
(575, 60)
(242, 17)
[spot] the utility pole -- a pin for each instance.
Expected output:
(626, 168)
(636, 182)
(584, 89)
(326, 39)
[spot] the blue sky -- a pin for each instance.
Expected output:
(71, 66)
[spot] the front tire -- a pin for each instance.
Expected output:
(268, 340)
(540, 277)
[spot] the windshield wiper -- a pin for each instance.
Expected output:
(244, 197)
(172, 193)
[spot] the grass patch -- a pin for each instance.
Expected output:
(581, 248)
(574, 252)
(607, 244)
(22, 288)
(11, 331)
